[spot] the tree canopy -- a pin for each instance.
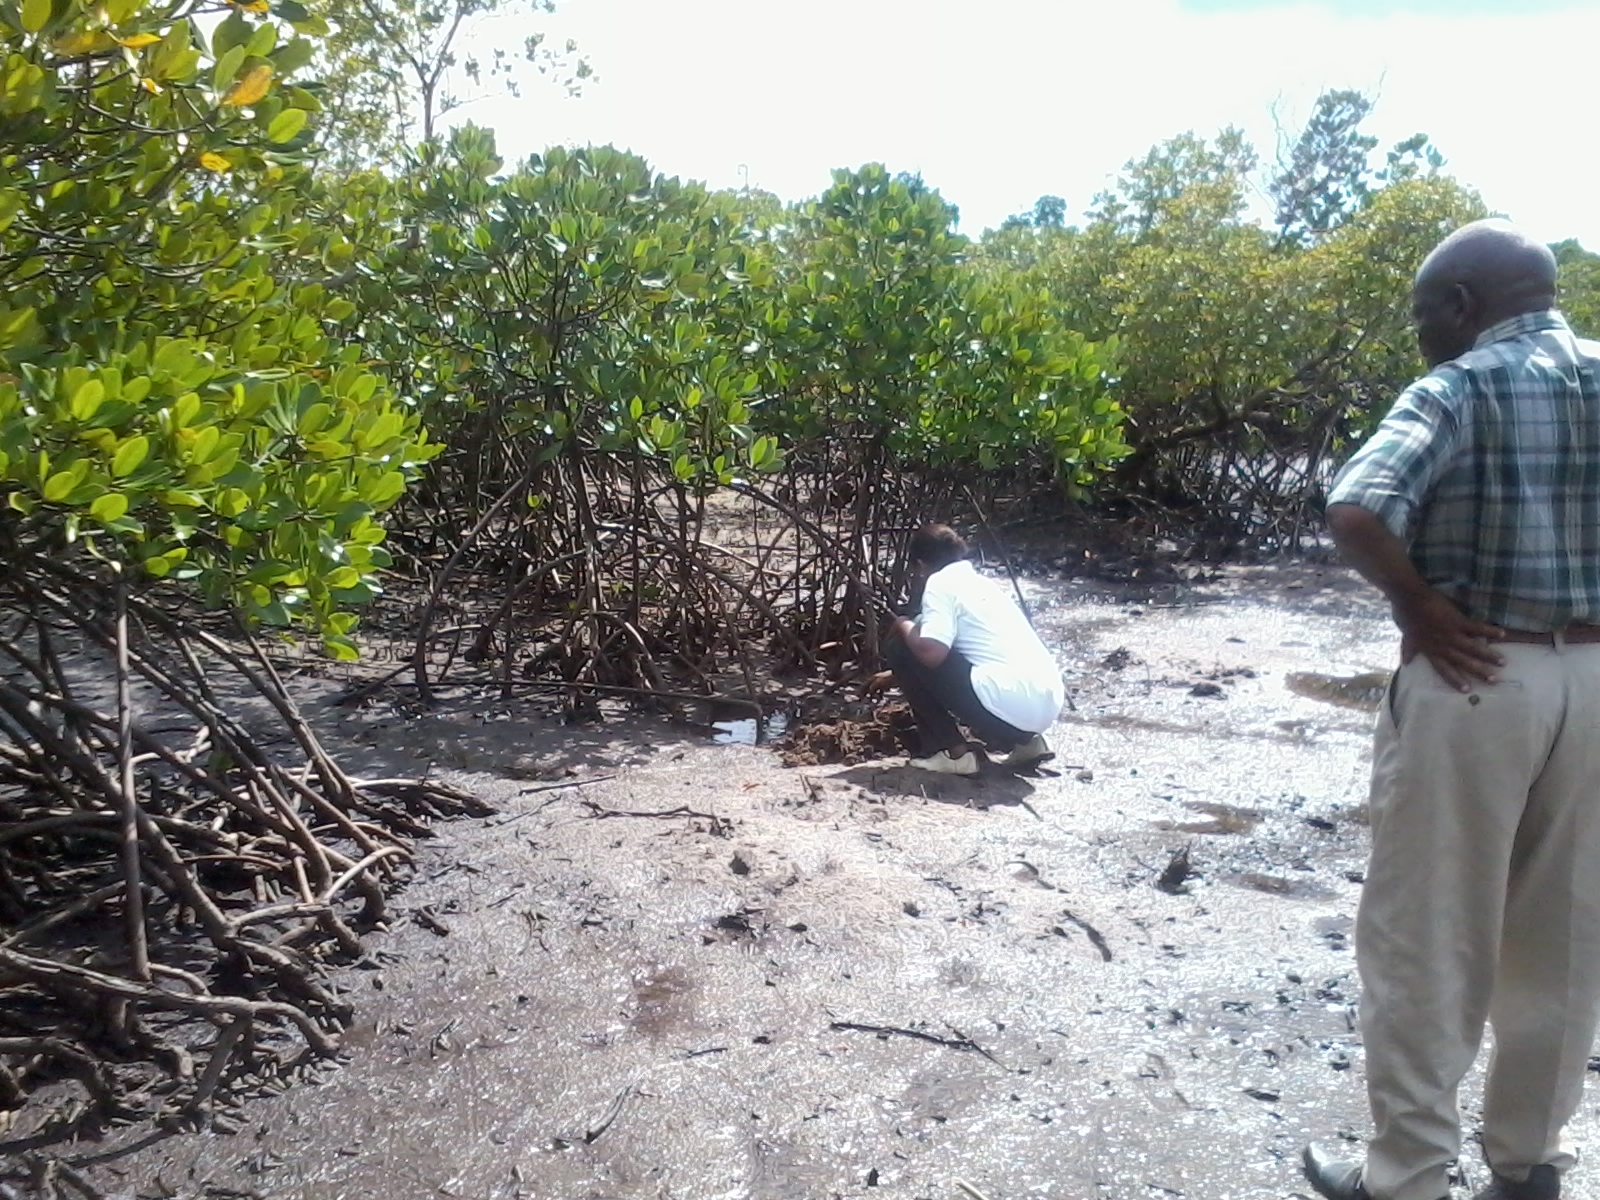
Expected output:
(1252, 353)
(172, 395)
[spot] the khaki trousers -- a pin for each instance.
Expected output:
(1482, 903)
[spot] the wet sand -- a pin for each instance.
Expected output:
(674, 969)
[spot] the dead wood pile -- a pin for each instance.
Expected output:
(847, 740)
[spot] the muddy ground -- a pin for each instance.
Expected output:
(675, 969)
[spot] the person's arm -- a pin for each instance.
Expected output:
(1379, 498)
(1429, 622)
(930, 652)
(931, 635)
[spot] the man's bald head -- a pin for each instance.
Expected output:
(1480, 275)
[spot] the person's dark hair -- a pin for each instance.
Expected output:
(937, 546)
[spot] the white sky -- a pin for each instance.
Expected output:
(999, 101)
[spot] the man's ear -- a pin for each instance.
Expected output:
(1465, 306)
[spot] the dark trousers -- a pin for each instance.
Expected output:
(942, 700)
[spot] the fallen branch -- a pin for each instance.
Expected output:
(601, 813)
(960, 1042)
(565, 783)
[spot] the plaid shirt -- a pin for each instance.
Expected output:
(1489, 466)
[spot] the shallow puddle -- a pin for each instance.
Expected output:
(751, 731)
(1277, 885)
(1347, 691)
(661, 999)
(1222, 818)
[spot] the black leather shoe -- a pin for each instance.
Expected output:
(1543, 1183)
(1335, 1178)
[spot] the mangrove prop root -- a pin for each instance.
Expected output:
(621, 580)
(137, 795)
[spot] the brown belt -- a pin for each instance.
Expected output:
(1573, 634)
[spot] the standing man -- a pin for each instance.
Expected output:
(970, 658)
(1475, 509)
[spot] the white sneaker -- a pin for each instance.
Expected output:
(945, 763)
(1034, 750)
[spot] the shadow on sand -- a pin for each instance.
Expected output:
(993, 786)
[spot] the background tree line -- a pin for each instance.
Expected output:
(250, 312)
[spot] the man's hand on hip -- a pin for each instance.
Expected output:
(1460, 648)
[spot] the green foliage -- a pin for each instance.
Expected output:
(882, 329)
(1324, 176)
(601, 347)
(169, 394)
(1249, 360)
(1354, 295)
(1048, 212)
(582, 304)
(1179, 182)
(1580, 287)
(1169, 266)
(1414, 158)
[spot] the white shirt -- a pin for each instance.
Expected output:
(1013, 674)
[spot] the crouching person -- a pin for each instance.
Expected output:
(970, 659)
